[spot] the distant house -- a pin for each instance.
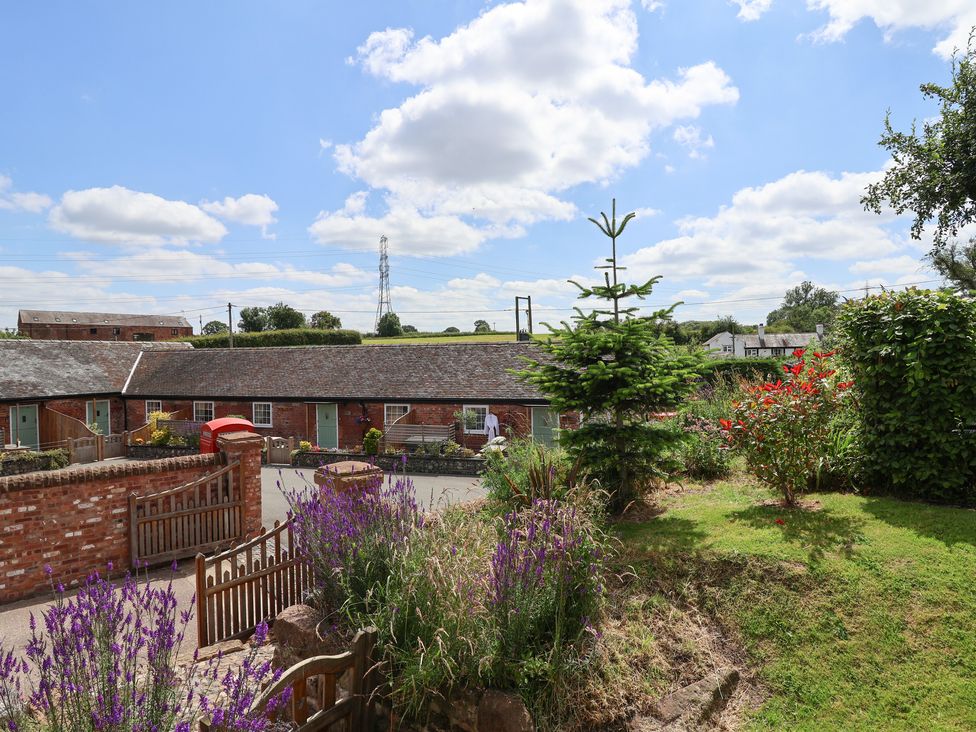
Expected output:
(49, 390)
(331, 395)
(68, 326)
(760, 345)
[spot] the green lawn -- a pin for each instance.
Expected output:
(858, 615)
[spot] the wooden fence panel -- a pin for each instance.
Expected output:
(114, 445)
(205, 515)
(246, 584)
(83, 450)
(279, 450)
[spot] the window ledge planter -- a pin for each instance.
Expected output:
(416, 464)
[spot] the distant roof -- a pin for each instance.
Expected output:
(44, 369)
(778, 340)
(53, 317)
(470, 372)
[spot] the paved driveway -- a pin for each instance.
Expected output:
(433, 491)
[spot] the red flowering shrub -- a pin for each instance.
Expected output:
(782, 427)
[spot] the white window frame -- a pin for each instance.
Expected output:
(726, 349)
(150, 411)
(195, 419)
(386, 413)
(465, 408)
(254, 414)
(752, 353)
(777, 351)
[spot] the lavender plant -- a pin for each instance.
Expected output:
(107, 660)
(546, 588)
(351, 538)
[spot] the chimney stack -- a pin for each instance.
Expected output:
(819, 331)
(762, 334)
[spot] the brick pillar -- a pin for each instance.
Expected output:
(246, 448)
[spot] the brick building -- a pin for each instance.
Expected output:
(64, 326)
(50, 390)
(331, 395)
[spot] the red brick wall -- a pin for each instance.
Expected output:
(70, 332)
(5, 423)
(77, 408)
(77, 519)
(297, 419)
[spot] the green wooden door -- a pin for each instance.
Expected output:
(327, 425)
(23, 421)
(545, 425)
(99, 417)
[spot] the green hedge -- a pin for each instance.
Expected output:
(291, 337)
(22, 462)
(747, 368)
(912, 355)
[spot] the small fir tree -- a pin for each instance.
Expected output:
(615, 369)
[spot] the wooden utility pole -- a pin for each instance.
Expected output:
(230, 326)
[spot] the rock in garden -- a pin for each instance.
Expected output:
(701, 699)
(501, 712)
(294, 630)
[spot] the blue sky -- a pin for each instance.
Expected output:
(173, 158)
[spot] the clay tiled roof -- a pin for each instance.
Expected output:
(44, 369)
(443, 372)
(55, 317)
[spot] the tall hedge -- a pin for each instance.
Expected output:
(290, 337)
(912, 355)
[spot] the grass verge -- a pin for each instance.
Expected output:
(855, 613)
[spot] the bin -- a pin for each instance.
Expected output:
(216, 427)
(348, 474)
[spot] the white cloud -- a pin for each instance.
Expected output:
(751, 9)
(409, 232)
(651, 5)
(954, 17)
(765, 234)
(691, 138)
(901, 265)
(118, 215)
(526, 101)
(251, 209)
(11, 200)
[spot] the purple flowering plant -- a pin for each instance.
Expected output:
(546, 587)
(106, 659)
(351, 537)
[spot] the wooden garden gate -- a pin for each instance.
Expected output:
(246, 584)
(205, 515)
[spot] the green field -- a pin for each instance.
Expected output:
(428, 338)
(857, 613)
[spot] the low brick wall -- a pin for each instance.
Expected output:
(77, 519)
(155, 452)
(416, 464)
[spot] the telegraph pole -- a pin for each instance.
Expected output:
(230, 326)
(518, 320)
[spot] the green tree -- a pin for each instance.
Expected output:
(452, 329)
(481, 326)
(253, 320)
(389, 325)
(325, 320)
(804, 307)
(410, 329)
(284, 317)
(934, 173)
(957, 264)
(613, 368)
(214, 327)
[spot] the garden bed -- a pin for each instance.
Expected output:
(18, 463)
(415, 464)
(158, 452)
